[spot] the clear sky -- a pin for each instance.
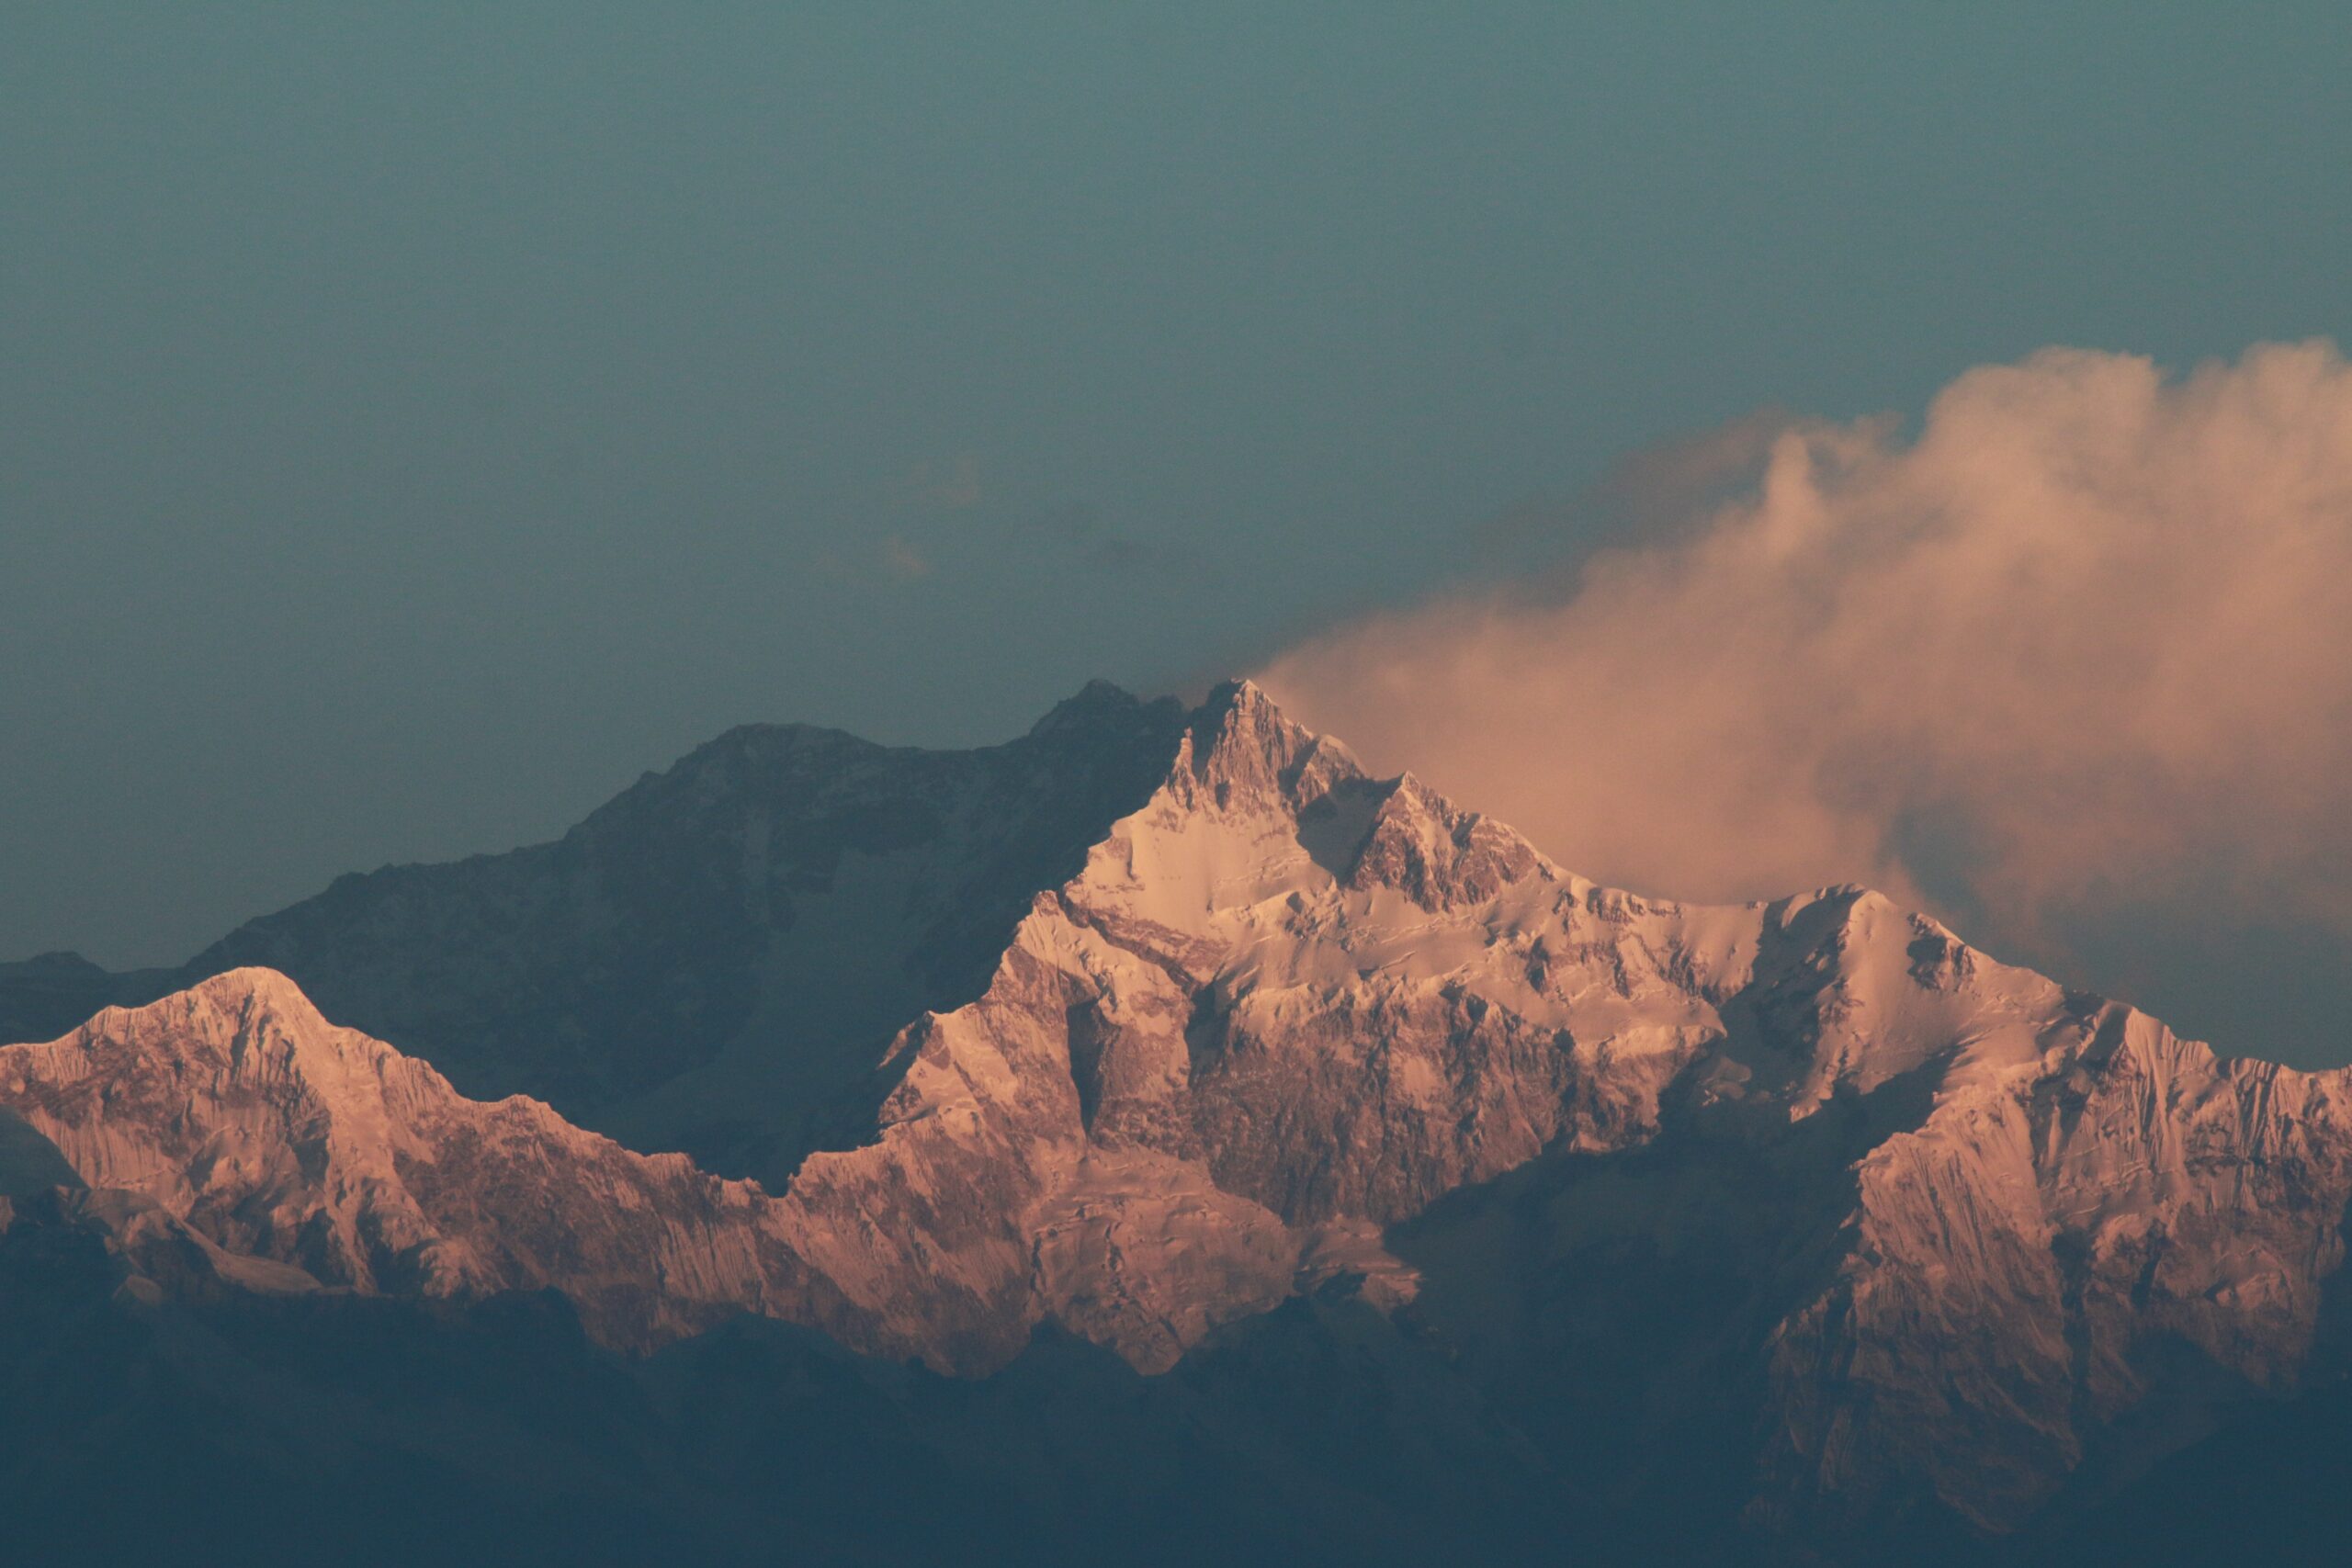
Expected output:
(417, 420)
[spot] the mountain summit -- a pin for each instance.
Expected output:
(1144, 1024)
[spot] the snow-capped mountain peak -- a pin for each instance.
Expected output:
(1250, 1022)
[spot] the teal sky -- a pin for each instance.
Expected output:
(417, 420)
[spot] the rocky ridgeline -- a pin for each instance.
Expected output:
(1252, 1023)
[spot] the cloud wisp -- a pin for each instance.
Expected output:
(2084, 644)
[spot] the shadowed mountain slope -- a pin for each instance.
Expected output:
(713, 959)
(1800, 1221)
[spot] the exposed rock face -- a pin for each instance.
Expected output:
(228, 1136)
(229, 1132)
(2124, 1224)
(713, 960)
(1250, 1022)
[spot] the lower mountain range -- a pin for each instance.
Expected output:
(1155, 1139)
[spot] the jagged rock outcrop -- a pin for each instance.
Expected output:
(229, 1132)
(712, 961)
(2126, 1229)
(1888, 1228)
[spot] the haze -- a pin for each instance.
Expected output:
(415, 422)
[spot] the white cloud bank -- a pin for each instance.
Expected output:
(2084, 643)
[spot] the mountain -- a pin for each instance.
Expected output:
(1797, 1225)
(291, 1428)
(712, 962)
(44, 997)
(229, 1136)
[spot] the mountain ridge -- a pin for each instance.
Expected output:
(1284, 1027)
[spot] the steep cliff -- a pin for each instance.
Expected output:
(1807, 1196)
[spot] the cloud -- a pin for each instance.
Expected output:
(2084, 646)
(1657, 493)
